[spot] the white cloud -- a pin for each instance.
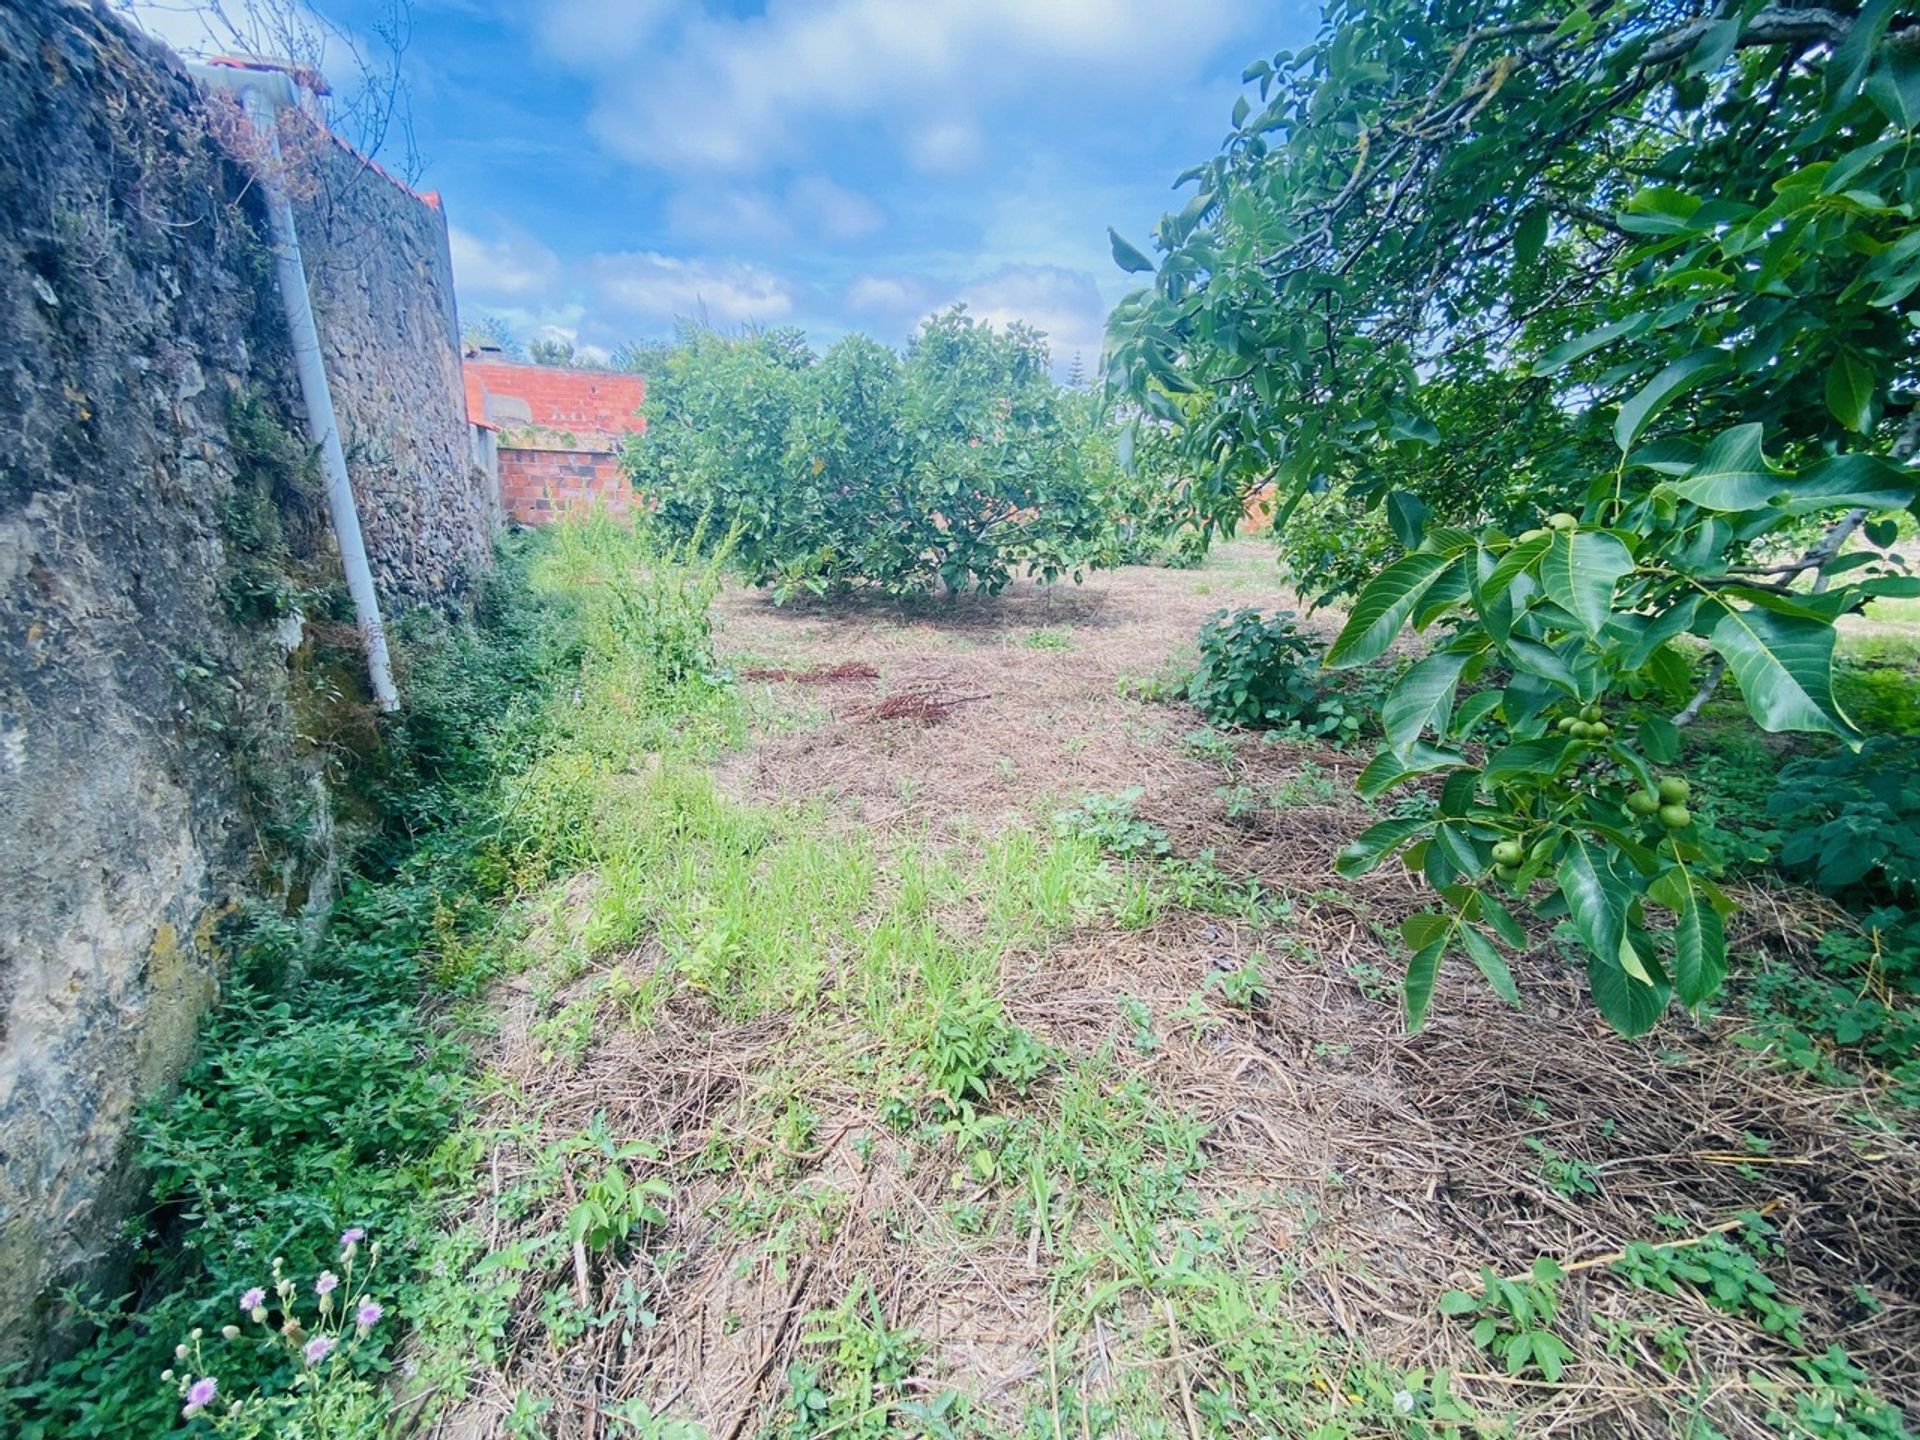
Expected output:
(515, 268)
(734, 216)
(887, 295)
(833, 210)
(740, 93)
(600, 32)
(945, 147)
(654, 289)
(812, 209)
(1065, 304)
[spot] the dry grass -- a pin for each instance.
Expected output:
(1369, 1170)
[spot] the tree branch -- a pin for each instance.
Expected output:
(1773, 26)
(1709, 681)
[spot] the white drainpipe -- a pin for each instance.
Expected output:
(263, 93)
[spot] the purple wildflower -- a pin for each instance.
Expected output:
(253, 1299)
(368, 1315)
(203, 1391)
(318, 1348)
(353, 1235)
(327, 1283)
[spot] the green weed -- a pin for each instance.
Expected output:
(1725, 1273)
(1514, 1319)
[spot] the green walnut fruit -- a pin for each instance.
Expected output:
(1536, 534)
(1561, 520)
(1509, 853)
(1508, 873)
(1643, 802)
(1591, 712)
(1674, 790)
(1600, 729)
(1675, 816)
(1566, 724)
(1580, 730)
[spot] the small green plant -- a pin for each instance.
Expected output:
(1163, 686)
(1047, 640)
(331, 1395)
(1839, 1403)
(1140, 1021)
(613, 1203)
(1572, 1178)
(1725, 1272)
(972, 1045)
(1513, 1319)
(1109, 821)
(1853, 819)
(853, 1389)
(527, 1419)
(633, 1419)
(1833, 1026)
(1309, 785)
(1259, 672)
(1244, 988)
(1208, 745)
(1200, 884)
(1669, 1340)
(1371, 981)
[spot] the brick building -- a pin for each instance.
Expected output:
(552, 435)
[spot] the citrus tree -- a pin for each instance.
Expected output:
(954, 466)
(997, 478)
(714, 458)
(1671, 248)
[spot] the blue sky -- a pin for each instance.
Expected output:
(840, 165)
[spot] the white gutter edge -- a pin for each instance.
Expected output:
(262, 93)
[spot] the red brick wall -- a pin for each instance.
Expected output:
(537, 486)
(589, 402)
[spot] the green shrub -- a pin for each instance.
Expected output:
(955, 467)
(1261, 672)
(1136, 467)
(1854, 818)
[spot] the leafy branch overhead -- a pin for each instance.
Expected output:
(1609, 313)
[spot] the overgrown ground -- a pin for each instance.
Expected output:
(1026, 1071)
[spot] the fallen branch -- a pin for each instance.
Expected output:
(851, 670)
(928, 706)
(759, 1373)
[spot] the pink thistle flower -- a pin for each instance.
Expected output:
(368, 1315)
(253, 1299)
(202, 1393)
(327, 1283)
(353, 1235)
(317, 1349)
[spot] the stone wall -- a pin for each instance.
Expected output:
(165, 578)
(381, 278)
